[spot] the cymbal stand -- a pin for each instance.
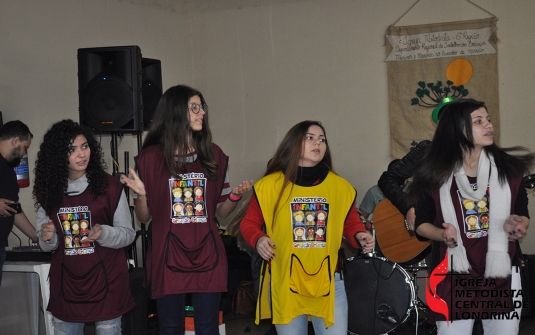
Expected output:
(373, 253)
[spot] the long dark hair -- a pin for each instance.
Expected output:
(171, 129)
(289, 152)
(51, 168)
(452, 138)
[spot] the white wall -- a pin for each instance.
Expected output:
(266, 65)
(262, 66)
(38, 59)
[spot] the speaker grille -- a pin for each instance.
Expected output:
(109, 83)
(109, 104)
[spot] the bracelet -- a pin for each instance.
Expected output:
(234, 198)
(139, 196)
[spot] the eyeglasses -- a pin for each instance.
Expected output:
(196, 108)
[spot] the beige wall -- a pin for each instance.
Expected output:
(262, 66)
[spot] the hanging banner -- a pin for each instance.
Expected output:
(454, 43)
(427, 63)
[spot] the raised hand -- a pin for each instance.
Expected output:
(242, 188)
(134, 183)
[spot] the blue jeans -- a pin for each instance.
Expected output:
(299, 325)
(2, 260)
(171, 313)
(108, 327)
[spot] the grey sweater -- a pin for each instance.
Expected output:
(120, 235)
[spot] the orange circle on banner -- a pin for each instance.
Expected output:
(459, 71)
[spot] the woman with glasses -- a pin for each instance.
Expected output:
(301, 278)
(186, 254)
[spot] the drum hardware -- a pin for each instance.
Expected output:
(417, 305)
(390, 287)
(376, 251)
(414, 268)
(380, 295)
(385, 312)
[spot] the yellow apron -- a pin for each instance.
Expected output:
(307, 231)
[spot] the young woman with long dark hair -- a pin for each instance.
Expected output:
(471, 201)
(186, 254)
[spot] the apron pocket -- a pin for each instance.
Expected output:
(315, 284)
(88, 288)
(180, 258)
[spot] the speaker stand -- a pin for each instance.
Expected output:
(143, 233)
(420, 312)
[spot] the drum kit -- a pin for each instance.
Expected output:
(383, 295)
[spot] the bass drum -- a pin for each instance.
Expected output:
(380, 295)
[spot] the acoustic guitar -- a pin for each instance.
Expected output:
(396, 242)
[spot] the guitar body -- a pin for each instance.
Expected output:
(396, 242)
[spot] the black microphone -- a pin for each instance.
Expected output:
(385, 312)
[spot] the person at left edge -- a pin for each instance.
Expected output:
(15, 139)
(186, 254)
(82, 215)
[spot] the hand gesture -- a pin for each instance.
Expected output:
(450, 235)
(134, 183)
(265, 247)
(410, 219)
(5, 210)
(48, 230)
(514, 228)
(94, 234)
(242, 188)
(366, 241)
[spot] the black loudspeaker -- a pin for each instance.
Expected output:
(152, 88)
(109, 89)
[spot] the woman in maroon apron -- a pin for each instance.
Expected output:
(473, 205)
(186, 254)
(82, 216)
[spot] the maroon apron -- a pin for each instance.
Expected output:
(88, 282)
(186, 252)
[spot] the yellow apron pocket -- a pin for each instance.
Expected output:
(316, 283)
